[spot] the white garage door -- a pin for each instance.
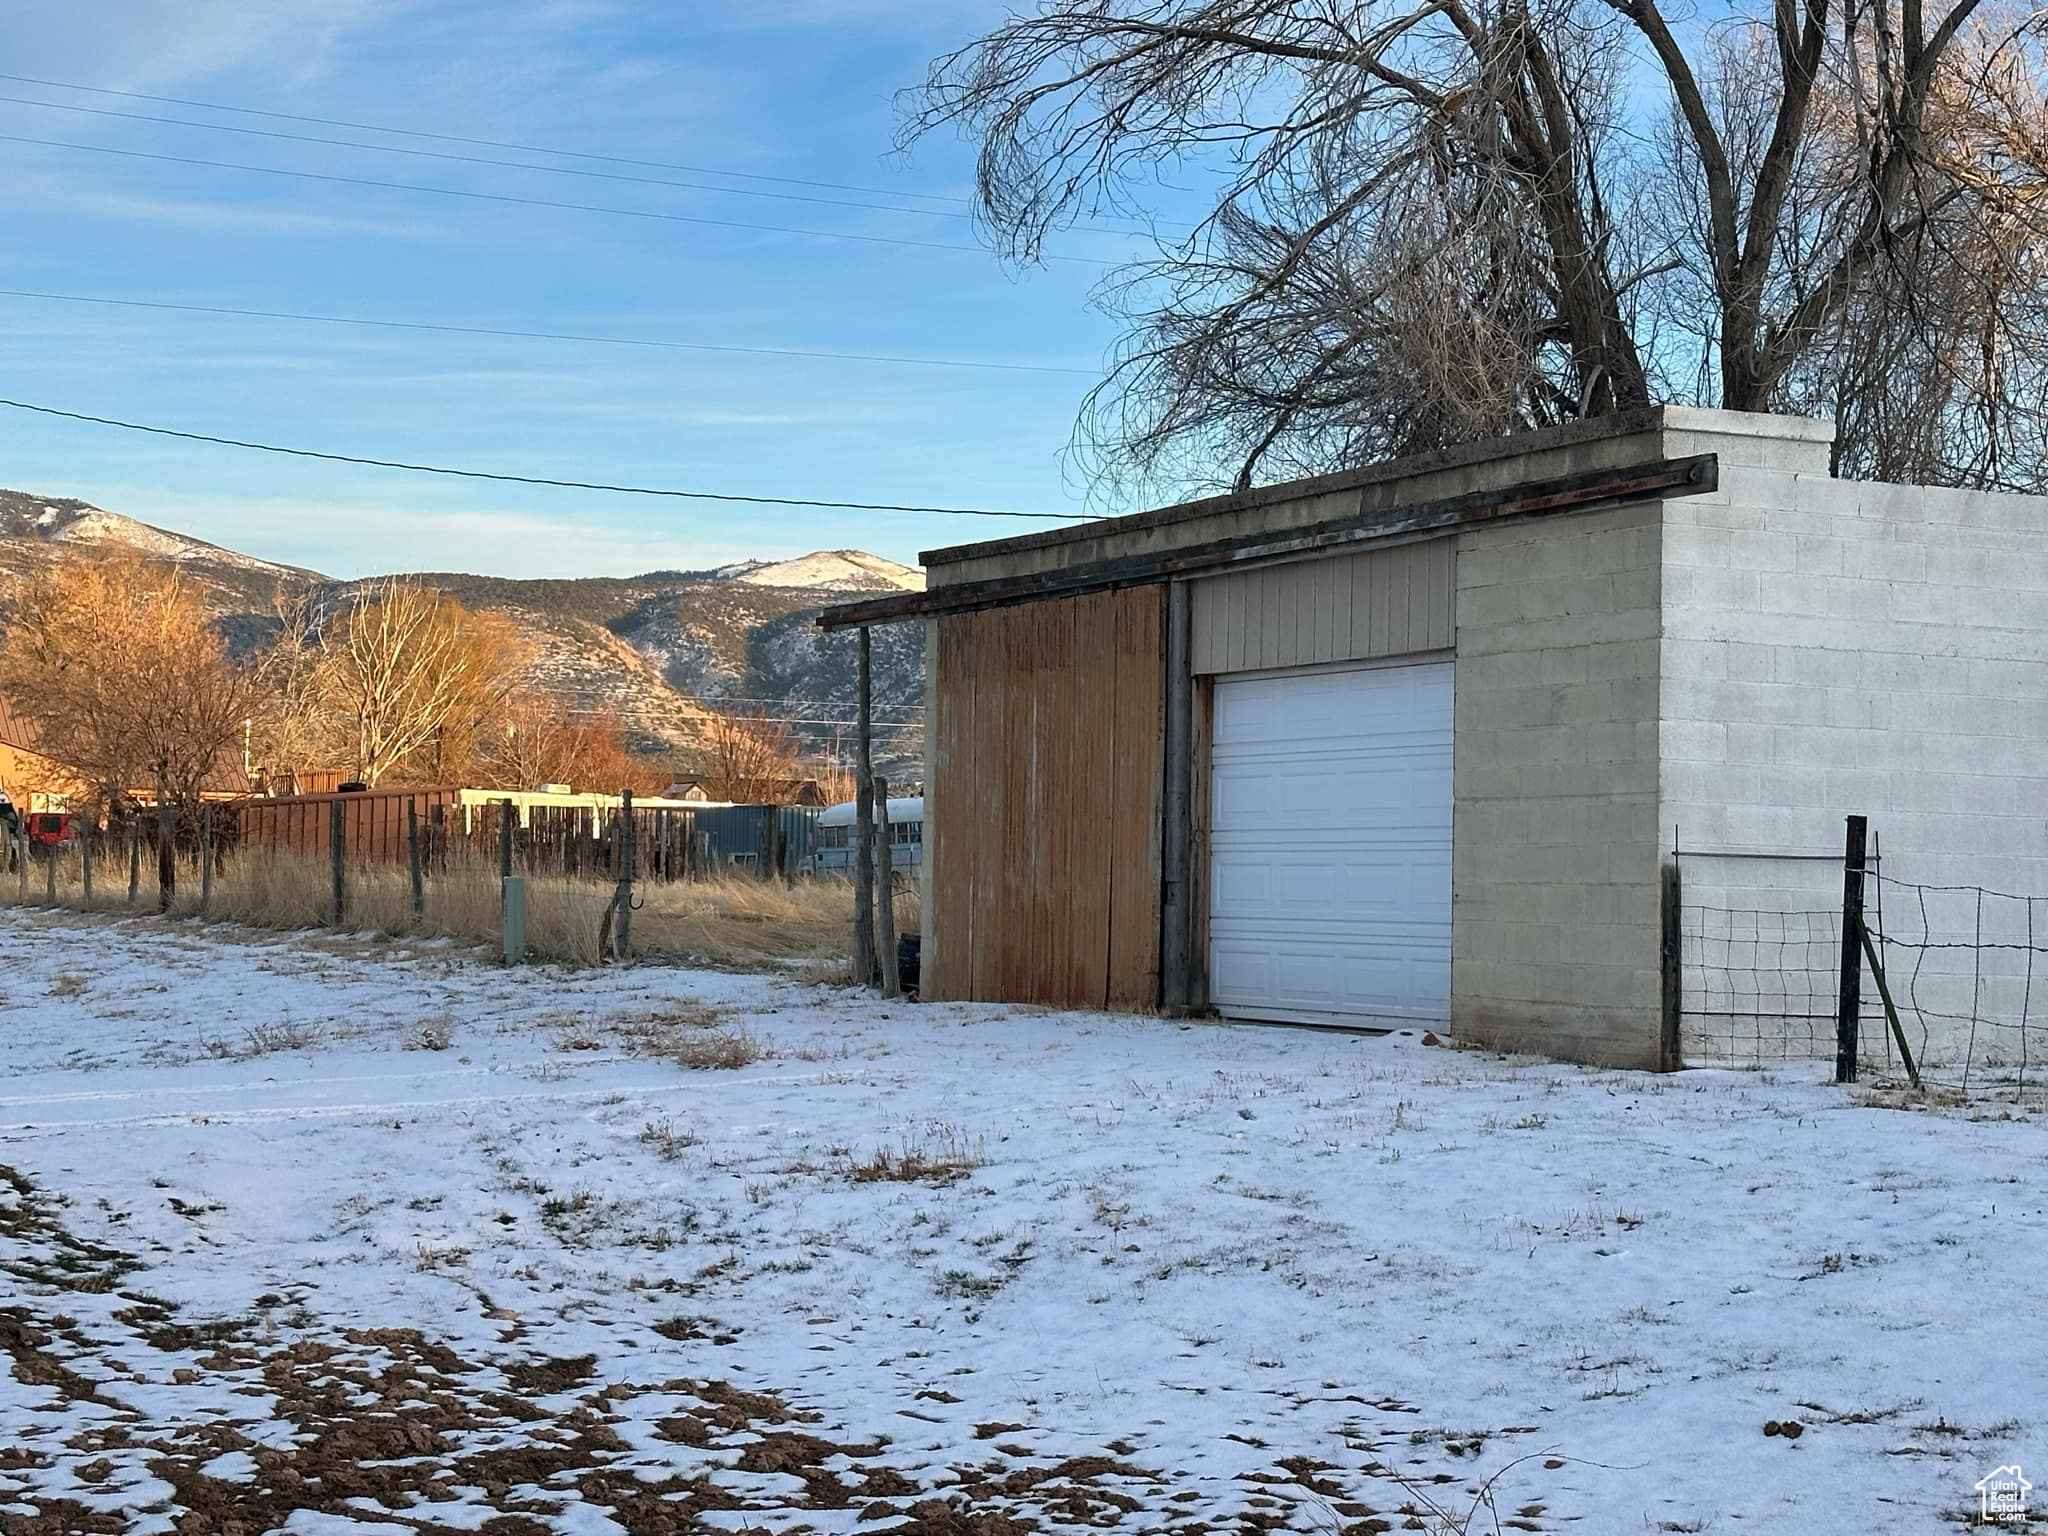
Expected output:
(1330, 846)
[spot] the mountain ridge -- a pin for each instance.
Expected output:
(660, 650)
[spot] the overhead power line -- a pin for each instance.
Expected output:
(511, 165)
(570, 485)
(529, 202)
(486, 330)
(456, 138)
(963, 212)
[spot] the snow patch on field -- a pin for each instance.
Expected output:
(316, 1229)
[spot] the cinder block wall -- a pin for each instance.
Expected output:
(1833, 647)
(1555, 923)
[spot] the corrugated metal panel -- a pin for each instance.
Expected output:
(1042, 803)
(736, 833)
(1383, 602)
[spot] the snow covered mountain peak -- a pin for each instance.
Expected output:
(831, 570)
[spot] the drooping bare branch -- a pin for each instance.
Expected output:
(1429, 220)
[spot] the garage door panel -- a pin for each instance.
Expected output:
(1330, 845)
(1398, 796)
(1376, 983)
(1368, 883)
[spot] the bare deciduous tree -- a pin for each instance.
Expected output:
(127, 683)
(749, 760)
(411, 668)
(293, 729)
(539, 740)
(1435, 220)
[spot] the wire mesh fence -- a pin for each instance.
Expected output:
(1951, 991)
(1967, 968)
(1758, 983)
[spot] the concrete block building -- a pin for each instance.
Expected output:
(1410, 744)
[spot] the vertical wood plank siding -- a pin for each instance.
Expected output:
(1383, 602)
(1043, 801)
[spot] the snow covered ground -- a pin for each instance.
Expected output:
(320, 1236)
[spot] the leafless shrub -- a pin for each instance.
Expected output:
(284, 1035)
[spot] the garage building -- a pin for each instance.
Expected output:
(1409, 745)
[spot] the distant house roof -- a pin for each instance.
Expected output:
(773, 791)
(17, 732)
(226, 781)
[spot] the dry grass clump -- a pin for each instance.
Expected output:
(692, 1035)
(262, 1040)
(942, 1158)
(737, 922)
(719, 1049)
(669, 1140)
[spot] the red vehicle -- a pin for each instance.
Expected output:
(51, 831)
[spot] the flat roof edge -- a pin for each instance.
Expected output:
(1692, 475)
(1621, 424)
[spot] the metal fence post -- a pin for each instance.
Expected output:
(514, 916)
(1849, 1005)
(1671, 958)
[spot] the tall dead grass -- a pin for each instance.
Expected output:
(735, 922)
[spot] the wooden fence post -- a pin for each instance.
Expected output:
(166, 854)
(85, 833)
(885, 893)
(50, 878)
(412, 859)
(864, 830)
(337, 854)
(21, 860)
(624, 948)
(134, 860)
(205, 860)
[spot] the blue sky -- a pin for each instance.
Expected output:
(790, 88)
